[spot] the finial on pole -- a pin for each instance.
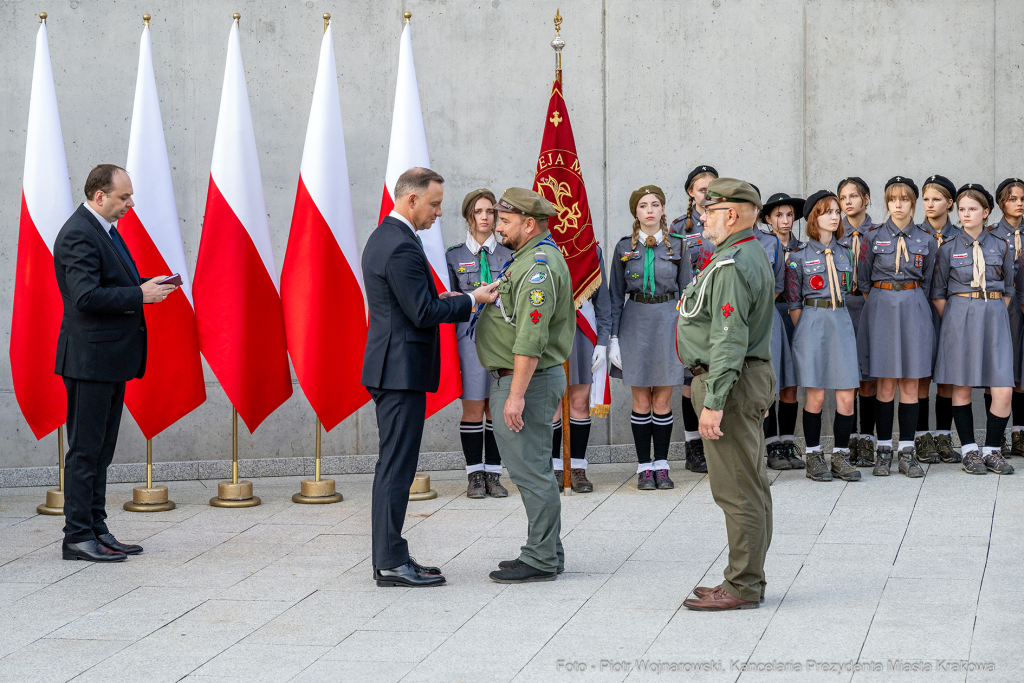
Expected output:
(557, 44)
(408, 17)
(558, 21)
(145, 19)
(327, 20)
(236, 16)
(42, 17)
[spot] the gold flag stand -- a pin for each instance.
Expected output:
(55, 497)
(234, 493)
(316, 490)
(149, 498)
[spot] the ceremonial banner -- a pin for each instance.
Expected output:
(321, 281)
(408, 149)
(45, 204)
(173, 385)
(600, 389)
(238, 308)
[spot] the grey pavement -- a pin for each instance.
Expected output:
(893, 579)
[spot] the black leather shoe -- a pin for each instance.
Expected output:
(520, 572)
(509, 564)
(116, 545)
(432, 571)
(407, 576)
(91, 551)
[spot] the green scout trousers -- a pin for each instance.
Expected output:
(739, 480)
(527, 454)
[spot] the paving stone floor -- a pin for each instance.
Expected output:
(890, 575)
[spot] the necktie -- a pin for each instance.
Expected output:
(119, 245)
(901, 249)
(1016, 243)
(485, 267)
(418, 240)
(833, 279)
(979, 268)
(649, 265)
(855, 256)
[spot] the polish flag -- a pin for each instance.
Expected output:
(238, 308)
(408, 149)
(45, 204)
(173, 385)
(321, 281)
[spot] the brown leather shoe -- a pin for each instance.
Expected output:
(702, 591)
(719, 601)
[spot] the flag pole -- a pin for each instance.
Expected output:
(234, 493)
(54, 504)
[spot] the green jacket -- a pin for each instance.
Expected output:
(725, 315)
(534, 314)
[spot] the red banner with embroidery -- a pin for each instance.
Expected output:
(560, 181)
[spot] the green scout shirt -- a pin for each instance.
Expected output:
(726, 315)
(534, 314)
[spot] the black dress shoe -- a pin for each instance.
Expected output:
(92, 551)
(432, 571)
(406, 575)
(116, 545)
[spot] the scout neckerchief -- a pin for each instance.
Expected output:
(485, 267)
(901, 248)
(833, 277)
(650, 243)
(978, 279)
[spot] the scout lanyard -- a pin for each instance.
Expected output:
(471, 332)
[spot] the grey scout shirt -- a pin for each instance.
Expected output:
(671, 273)
(602, 302)
(464, 265)
(847, 241)
(954, 267)
(1006, 231)
(949, 231)
(698, 249)
(879, 258)
(807, 273)
(776, 258)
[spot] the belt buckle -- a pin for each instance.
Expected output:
(897, 286)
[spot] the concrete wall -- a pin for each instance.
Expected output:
(790, 94)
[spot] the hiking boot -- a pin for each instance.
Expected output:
(944, 445)
(817, 470)
(883, 461)
(997, 463)
(865, 455)
(1004, 447)
(908, 463)
(793, 456)
(645, 481)
(520, 572)
(476, 487)
(842, 468)
(927, 449)
(695, 461)
(510, 564)
(493, 485)
(580, 483)
(560, 478)
(853, 447)
(1018, 443)
(777, 459)
(662, 481)
(973, 463)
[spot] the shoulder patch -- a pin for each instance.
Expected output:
(453, 247)
(538, 277)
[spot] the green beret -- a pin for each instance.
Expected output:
(635, 198)
(470, 201)
(526, 202)
(731, 190)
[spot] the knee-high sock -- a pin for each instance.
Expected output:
(579, 438)
(641, 425)
(854, 416)
(771, 425)
(787, 420)
(988, 402)
(963, 417)
(884, 420)
(556, 445)
(842, 425)
(943, 413)
(995, 429)
(908, 422)
(1017, 407)
(492, 458)
(812, 430)
(922, 414)
(867, 416)
(691, 423)
(472, 435)
(661, 434)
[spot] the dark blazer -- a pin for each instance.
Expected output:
(103, 332)
(403, 343)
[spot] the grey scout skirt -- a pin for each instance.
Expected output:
(581, 359)
(476, 382)
(782, 355)
(647, 334)
(898, 338)
(855, 306)
(825, 350)
(1017, 337)
(975, 346)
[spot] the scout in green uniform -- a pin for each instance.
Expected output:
(523, 339)
(724, 336)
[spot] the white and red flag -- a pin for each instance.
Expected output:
(237, 304)
(45, 204)
(321, 280)
(173, 385)
(408, 149)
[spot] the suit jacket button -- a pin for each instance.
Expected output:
(143, 329)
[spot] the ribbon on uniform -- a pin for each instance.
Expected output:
(485, 267)
(901, 248)
(855, 256)
(1016, 244)
(650, 243)
(979, 268)
(833, 278)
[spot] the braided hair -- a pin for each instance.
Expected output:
(664, 235)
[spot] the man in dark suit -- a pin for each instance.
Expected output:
(102, 345)
(403, 361)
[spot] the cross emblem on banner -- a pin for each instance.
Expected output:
(556, 118)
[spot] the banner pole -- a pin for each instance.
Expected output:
(317, 491)
(149, 498)
(234, 493)
(54, 504)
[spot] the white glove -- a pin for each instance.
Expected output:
(600, 356)
(614, 355)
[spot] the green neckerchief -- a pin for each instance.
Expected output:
(648, 268)
(485, 268)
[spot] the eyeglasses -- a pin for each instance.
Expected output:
(724, 208)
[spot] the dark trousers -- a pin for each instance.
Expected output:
(400, 417)
(94, 417)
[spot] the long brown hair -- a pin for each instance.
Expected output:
(823, 205)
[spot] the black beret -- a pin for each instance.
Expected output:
(783, 199)
(978, 188)
(697, 171)
(1002, 185)
(814, 199)
(941, 181)
(852, 179)
(906, 181)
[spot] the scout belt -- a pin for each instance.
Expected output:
(896, 286)
(980, 295)
(822, 303)
(645, 299)
(500, 372)
(748, 362)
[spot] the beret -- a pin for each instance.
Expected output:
(813, 200)
(526, 202)
(697, 171)
(471, 198)
(637, 195)
(852, 179)
(906, 181)
(783, 199)
(979, 188)
(731, 190)
(941, 181)
(1002, 185)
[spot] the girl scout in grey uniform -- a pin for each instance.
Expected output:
(649, 269)
(689, 228)
(854, 197)
(973, 277)
(896, 337)
(1010, 198)
(471, 264)
(818, 281)
(937, 195)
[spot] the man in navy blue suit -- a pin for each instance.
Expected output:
(403, 361)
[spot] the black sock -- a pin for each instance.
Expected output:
(472, 435)
(661, 433)
(988, 402)
(883, 419)
(641, 425)
(908, 421)
(842, 425)
(491, 455)
(963, 416)
(556, 442)
(943, 413)
(995, 429)
(812, 429)
(854, 416)
(787, 418)
(1017, 406)
(691, 422)
(922, 415)
(579, 437)
(867, 416)
(771, 423)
